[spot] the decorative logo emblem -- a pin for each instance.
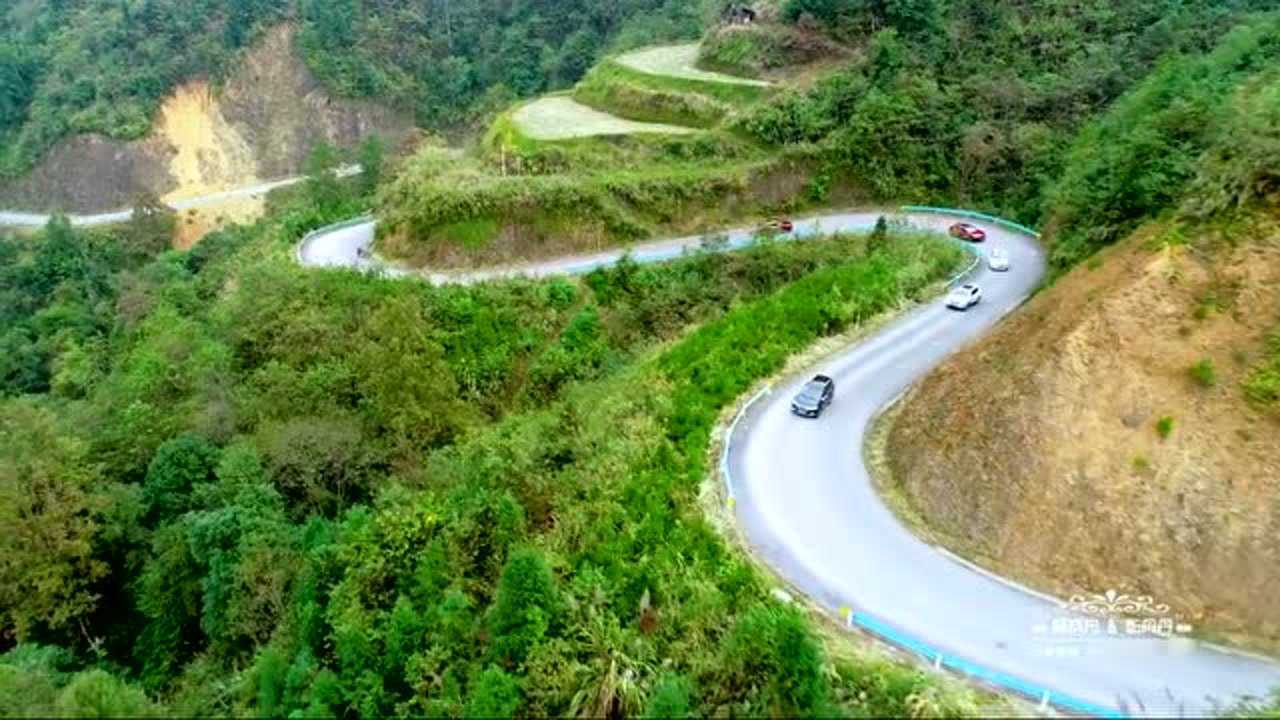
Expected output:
(1112, 614)
(1114, 603)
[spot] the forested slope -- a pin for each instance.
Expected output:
(85, 66)
(236, 487)
(978, 103)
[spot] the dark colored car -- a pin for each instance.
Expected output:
(967, 232)
(814, 397)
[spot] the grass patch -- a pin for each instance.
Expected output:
(424, 214)
(655, 192)
(759, 48)
(471, 233)
(736, 94)
(1203, 373)
(1262, 386)
(612, 88)
(678, 63)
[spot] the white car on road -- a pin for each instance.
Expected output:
(998, 261)
(964, 297)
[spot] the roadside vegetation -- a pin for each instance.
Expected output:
(1263, 384)
(247, 488)
(625, 92)
(767, 48)
(518, 198)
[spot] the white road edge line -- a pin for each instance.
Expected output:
(728, 439)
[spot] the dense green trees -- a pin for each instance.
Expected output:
(848, 18)
(49, 510)
(997, 105)
(325, 493)
(84, 66)
(1199, 125)
(78, 66)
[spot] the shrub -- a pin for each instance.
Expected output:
(178, 466)
(1164, 427)
(95, 693)
(1262, 386)
(672, 697)
(494, 694)
(525, 608)
(1203, 373)
(776, 643)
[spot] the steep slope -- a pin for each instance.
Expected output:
(1101, 440)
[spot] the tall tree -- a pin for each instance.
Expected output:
(48, 520)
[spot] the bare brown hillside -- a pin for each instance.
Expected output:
(1038, 452)
(260, 124)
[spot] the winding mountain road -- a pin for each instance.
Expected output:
(805, 499)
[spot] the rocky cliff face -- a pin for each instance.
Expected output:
(261, 124)
(281, 110)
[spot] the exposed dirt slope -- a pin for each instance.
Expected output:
(260, 124)
(1038, 451)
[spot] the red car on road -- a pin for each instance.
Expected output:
(970, 233)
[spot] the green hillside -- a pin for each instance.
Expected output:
(88, 66)
(233, 486)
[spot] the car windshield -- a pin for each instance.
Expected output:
(811, 392)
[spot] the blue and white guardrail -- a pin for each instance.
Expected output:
(1001, 680)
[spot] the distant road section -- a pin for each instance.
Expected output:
(350, 245)
(680, 61)
(13, 218)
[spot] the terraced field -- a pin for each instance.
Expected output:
(655, 90)
(678, 61)
(561, 118)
